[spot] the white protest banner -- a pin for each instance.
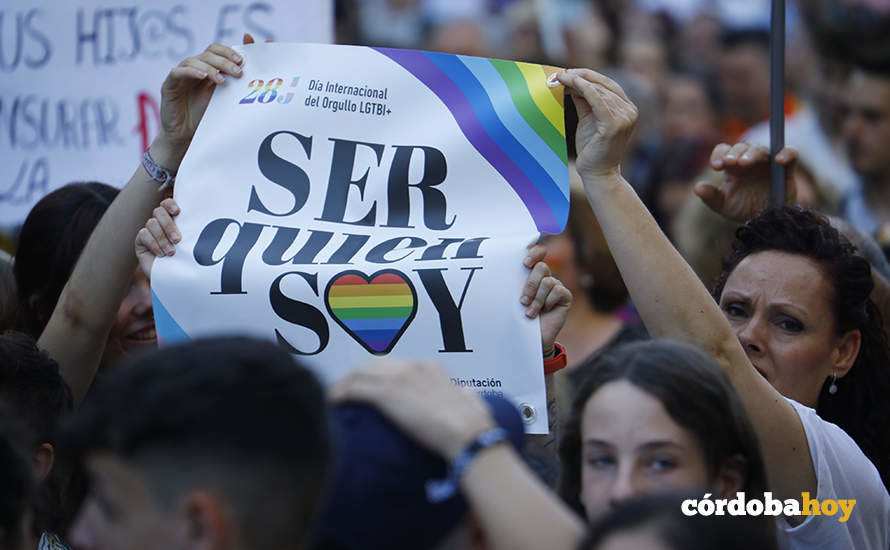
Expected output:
(81, 80)
(352, 202)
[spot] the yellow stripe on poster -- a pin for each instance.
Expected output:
(558, 91)
(541, 95)
(371, 301)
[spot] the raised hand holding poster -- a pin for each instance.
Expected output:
(352, 202)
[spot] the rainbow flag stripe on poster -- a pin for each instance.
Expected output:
(514, 120)
(168, 330)
(375, 310)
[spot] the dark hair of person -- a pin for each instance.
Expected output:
(8, 295)
(30, 384)
(50, 242)
(860, 406)
(694, 391)
(874, 66)
(735, 38)
(607, 293)
(661, 515)
(851, 32)
(34, 391)
(235, 415)
(707, 82)
(16, 481)
(611, 13)
(681, 160)
(866, 246)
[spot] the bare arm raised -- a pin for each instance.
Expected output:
(672, 302)
(78, 328)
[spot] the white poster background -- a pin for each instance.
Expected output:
(80, 80)
(221, 168)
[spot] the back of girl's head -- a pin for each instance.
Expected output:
(32, 390)
(860, 405)
(659, 518)
(694, 391)
(16, 479)
(51, 240)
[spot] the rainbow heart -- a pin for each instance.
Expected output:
(374, 310)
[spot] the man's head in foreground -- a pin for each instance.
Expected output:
(219, 443)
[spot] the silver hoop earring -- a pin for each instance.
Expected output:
(832, 389)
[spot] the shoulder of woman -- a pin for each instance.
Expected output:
(842, 469)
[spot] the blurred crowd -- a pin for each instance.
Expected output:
(698, 70)
(711, 346)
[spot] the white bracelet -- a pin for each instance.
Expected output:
(157, 172)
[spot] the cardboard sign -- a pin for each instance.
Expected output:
(81, 80)
(352, 202)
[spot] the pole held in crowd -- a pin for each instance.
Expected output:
(777, 101)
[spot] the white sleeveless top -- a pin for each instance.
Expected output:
(842, 472)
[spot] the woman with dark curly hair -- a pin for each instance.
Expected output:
(850, 390)
(786, 328)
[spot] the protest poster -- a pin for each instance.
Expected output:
(82, 78)
(353, 202)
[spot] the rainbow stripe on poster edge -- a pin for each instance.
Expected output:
(504, 107)
(168, 330)
(368, 279)
(549, 215)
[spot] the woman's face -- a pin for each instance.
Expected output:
(630, 446)
(780, 307)
(687, 112)
(134, 326)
